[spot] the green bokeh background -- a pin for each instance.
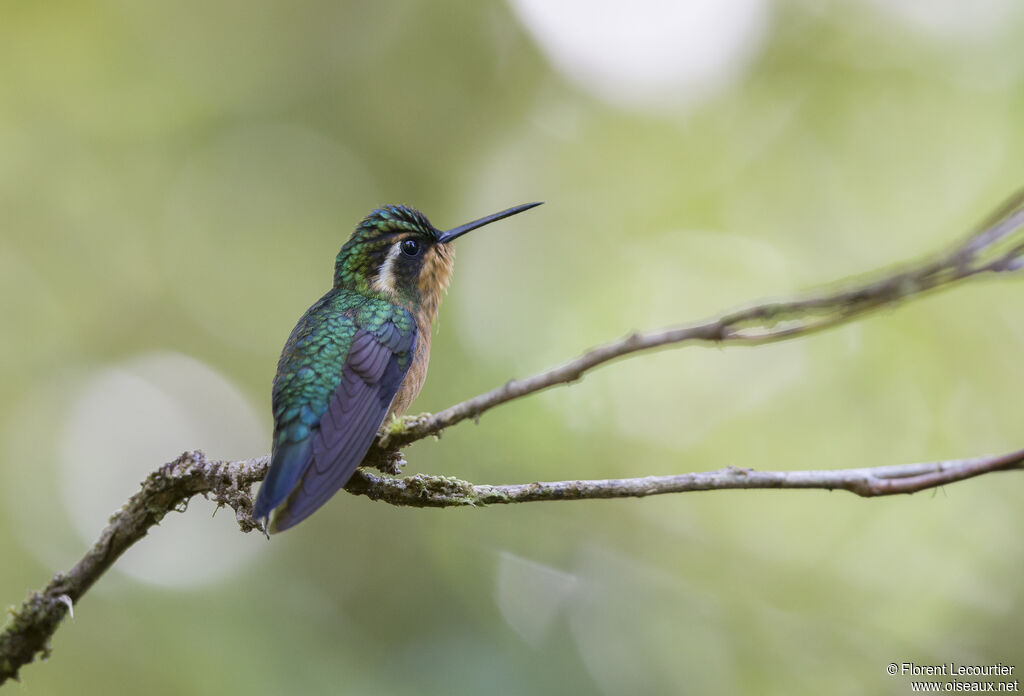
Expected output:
(175, 180)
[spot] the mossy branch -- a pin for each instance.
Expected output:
(998, 248)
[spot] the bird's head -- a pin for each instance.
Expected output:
(397, 254)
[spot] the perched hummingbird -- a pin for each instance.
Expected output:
(356, 357)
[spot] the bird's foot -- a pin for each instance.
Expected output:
(386, 461)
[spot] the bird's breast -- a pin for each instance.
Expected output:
(431, 285)
(417, 373)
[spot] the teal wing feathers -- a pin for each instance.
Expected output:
(338, 374)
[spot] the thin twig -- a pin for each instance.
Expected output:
(997, 248)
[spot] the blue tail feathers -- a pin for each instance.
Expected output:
(287, 466)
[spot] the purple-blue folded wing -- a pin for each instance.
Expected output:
(338, 374)
(369, 381)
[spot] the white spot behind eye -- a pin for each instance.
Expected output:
(385, 280)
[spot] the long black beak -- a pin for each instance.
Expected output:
(469, 226)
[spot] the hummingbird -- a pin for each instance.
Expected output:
(357, 357)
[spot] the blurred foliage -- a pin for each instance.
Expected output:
(176, 178)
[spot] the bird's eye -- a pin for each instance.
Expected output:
(410, 247)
